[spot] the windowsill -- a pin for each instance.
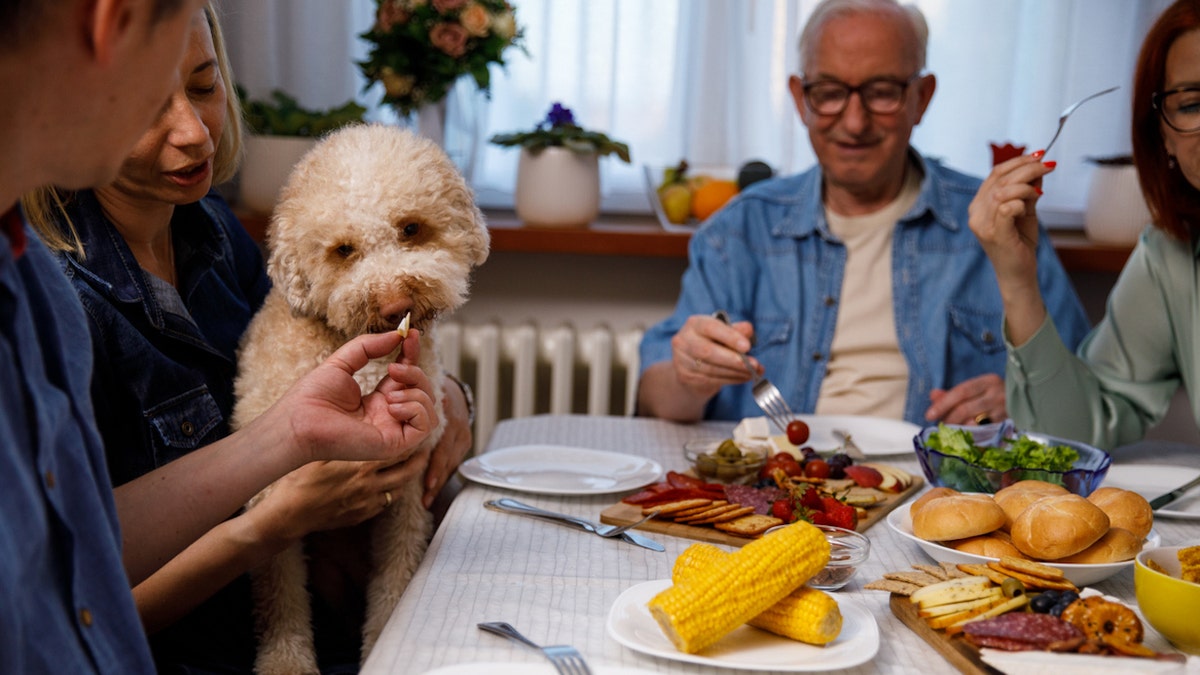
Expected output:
(642, 236)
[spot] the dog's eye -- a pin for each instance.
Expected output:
(345, 250)
(412, 229)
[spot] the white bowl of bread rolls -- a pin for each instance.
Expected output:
(1088, 538)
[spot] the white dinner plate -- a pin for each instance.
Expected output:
(1152, 480)
(1081, 575)
(561, 470)
(876, 436)
(524, 668)
(748, 648)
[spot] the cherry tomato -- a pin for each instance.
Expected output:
(797, 432)
(817, 468)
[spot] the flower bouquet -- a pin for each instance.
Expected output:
(420, 47)
(559, 129)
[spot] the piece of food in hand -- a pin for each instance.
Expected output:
(1125, 509)
(1058, 526)
(402, 329)
(958, 517)
(806, 614)
(703, 607)
(1024, 632)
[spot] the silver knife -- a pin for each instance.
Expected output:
(1162, 500)
(513, 506)
(848, 444)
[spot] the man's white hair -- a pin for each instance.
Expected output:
(832, 9)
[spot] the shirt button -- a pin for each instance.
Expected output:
(85, 616)
(830, 300)
(187, 428)
(816, 356)
(988, 337)
(50, 482)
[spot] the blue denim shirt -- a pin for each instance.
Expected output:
(768, 257)
(163, 383)
(172, 374)
(65, 605)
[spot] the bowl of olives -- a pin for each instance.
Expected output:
(721, 460)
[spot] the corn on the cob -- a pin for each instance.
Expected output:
(701, 608)
(807, 614)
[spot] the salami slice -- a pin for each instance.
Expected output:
(1024, 631)
(760, 498)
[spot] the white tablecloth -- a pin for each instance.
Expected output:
(556, 585)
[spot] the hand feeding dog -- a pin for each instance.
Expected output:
(374, 224)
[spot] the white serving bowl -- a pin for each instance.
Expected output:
(1080, 575)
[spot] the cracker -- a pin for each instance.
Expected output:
(708, 513)
(933, 570)
(915, 577)
(893, 586)
(952, 571)
(739, 512)
(750, 525)
(1031, 581)
(1032, 568)
(671, 508)
(699, 509)
(996, 576)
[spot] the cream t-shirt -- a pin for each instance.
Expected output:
(866, 373)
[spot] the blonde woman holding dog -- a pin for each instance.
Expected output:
(170, 281)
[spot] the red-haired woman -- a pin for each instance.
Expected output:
(1123, 376)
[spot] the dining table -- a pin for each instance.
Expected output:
(558, 585)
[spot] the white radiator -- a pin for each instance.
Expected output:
(522, 370)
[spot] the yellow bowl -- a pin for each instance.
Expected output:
(1168, 602)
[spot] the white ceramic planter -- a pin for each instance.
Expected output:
(1116, 211)
(558, 188)
(269, 161)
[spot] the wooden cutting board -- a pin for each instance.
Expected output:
(622, 514)
(960, 653)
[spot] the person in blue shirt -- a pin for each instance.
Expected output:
(82, 80)
(856, 287)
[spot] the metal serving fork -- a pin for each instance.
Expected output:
(766, 395)
(566, 659)
(1062, 119)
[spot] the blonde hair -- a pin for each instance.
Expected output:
(832, 9)
(45, 208)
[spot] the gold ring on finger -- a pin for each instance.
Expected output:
(983, 418)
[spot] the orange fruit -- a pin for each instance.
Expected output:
(711, 196)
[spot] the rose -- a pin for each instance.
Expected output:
(505, 25)
(390, 14)
(396, 84)
(444, 6)
(475, 19)
(449, 37)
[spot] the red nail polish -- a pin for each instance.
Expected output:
(1039, 190)
(1050, 165)
(1037, 154)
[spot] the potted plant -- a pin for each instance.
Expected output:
(419, 49)
(281, 132)
(558, 174)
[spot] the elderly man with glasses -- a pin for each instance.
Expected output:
(856, 286)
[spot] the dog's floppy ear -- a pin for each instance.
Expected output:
(286, 272)
(478, 240)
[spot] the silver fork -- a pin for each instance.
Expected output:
(766, 395)
(1062, 119)
(566, 659)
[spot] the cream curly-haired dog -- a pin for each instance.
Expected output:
(374, 223)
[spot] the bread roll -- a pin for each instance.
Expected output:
(1126, 509)
(1117, 545)
(989, 546)
(1058, 526)
(1016, 497)
(957, 517)
(932, 494)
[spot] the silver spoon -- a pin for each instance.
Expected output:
(1062, 119)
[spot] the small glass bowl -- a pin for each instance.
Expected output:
(701, 456)
(847, 551)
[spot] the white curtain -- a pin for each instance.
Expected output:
(706, 80)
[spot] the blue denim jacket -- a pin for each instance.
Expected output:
(768, 257)
(65, 605)
(163, 384)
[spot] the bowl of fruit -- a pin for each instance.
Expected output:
(683, 196)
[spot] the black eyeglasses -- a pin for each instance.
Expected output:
(1180, 108)
(881, 95)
